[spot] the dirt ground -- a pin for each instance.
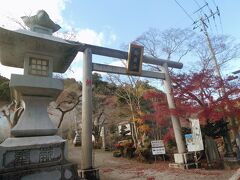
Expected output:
(112, 168)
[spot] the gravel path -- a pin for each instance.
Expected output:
(123, 169)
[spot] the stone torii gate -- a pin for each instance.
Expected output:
(88, 50)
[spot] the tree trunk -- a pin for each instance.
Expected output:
(133, 133)
(211, 151)
(228, 146)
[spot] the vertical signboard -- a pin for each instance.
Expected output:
(197, 135)
(135, 57)
(194, 141)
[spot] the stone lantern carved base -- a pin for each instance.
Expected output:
(34, 120)
(35, 157)
(36, 93)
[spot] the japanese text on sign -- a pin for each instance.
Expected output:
(158, 147)
(135, 56)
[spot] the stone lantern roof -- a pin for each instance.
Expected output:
(14, 45)
(40, 21)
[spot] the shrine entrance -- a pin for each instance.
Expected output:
(135, 58)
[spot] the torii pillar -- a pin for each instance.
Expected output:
(87, 169)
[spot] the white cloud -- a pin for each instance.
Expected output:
(7, 71)
(118, 62)
(105, 37)
(12, 9)
(90, 36)
(109, 36)
(75, 70)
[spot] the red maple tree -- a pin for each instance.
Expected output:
(206, 96)
(158, 103)
(201, 94)
(160, 114)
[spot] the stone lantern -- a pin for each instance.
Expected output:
(34, 151)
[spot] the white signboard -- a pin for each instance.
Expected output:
(158, 147)
(194, 141)
(197, 135)
(157, 143)
(190, 142)
(159, 150)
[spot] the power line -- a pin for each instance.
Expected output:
(219, 15)
(207, 5)
(184, 10)
(214, 2)
(200, 8)
(202, 13)
(197, 3)
(217, 12)
(220, 19)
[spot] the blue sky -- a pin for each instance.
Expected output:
(128, 19)
(113, 23)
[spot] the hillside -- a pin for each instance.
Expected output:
(4, 90)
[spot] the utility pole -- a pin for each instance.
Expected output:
(214, 59)
(226, 138)
(202, 25)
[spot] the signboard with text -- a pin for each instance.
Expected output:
(197, 135)
(194, 141)
(135, 57)
(158, 147)
(159, 150)
(190, 142)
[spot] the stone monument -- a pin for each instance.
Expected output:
(35, 151)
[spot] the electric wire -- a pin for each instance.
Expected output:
(213, 14)
(184, 10)
(214, 2)
(220, 20)
(197, 3)
(219, 15)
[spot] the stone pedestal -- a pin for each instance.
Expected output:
(184, 161)
(89, 174)
(35, 157)
(66, 171)
(35, 152)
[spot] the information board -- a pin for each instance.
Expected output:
(157, 143)
(197, 135)
(194, 141)
(190, 142)
(158, 147)
(159, 150)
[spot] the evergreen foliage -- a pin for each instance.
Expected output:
(4, 89)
